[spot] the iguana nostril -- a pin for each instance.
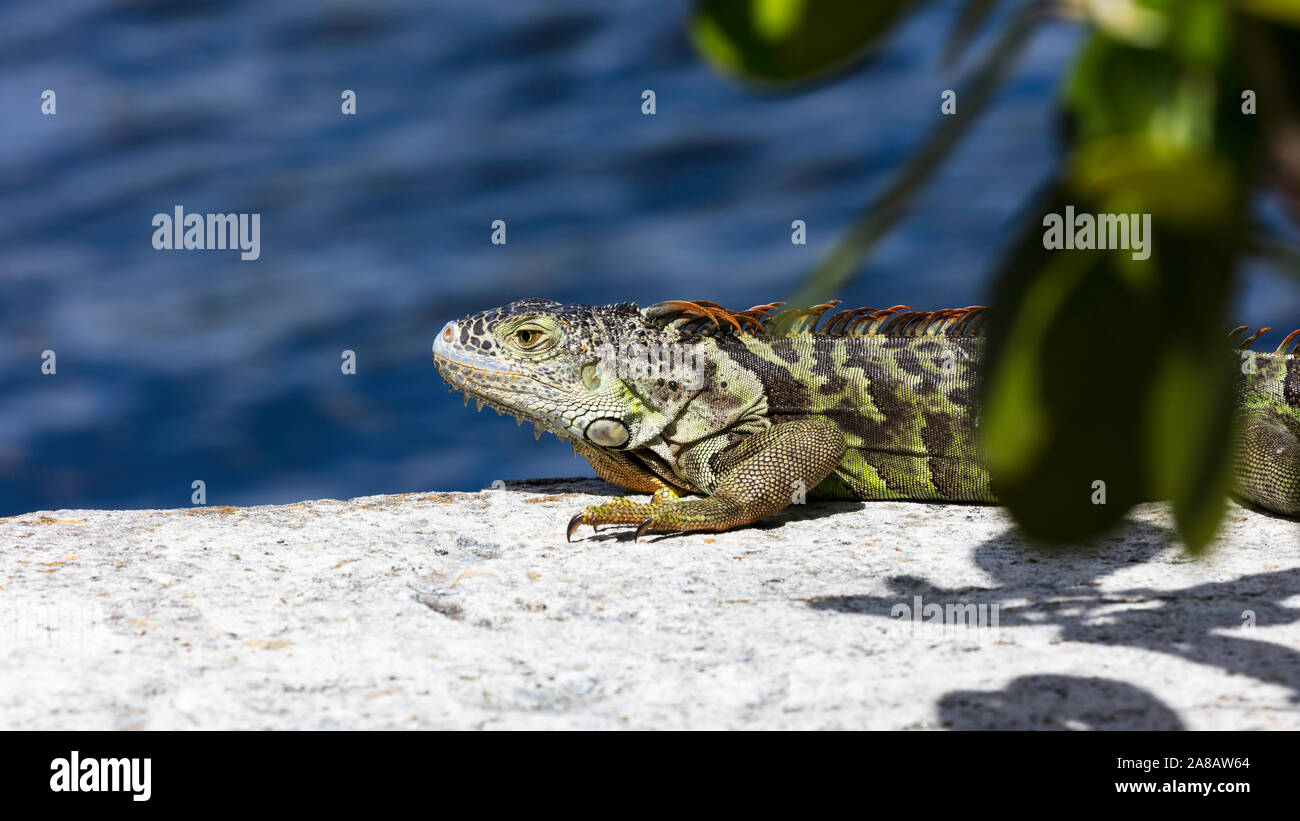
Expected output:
(444, 344)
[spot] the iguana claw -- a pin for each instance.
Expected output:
(575, 523)
(624, 511)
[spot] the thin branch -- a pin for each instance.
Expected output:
(837, 268)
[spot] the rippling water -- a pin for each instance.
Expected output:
(176, 366)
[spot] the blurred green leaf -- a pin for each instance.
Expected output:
(1135, 22)
(1065, 364)
(1097, 377)
(1127, 380)
(1126, 174)
(1201, 30)
(1190, 409)
(783, 41)
(1279, 11)
(1114, 88)
(1171, 108)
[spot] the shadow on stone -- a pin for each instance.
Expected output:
(1057, 703)
(1208, 624)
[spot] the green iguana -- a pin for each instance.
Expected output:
(753, 411)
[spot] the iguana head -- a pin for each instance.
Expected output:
(549, 363)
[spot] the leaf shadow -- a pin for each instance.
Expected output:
(1207, 623)
(1056, 702)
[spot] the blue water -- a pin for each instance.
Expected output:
(177, 366)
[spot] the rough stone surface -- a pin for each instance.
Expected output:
(469, 610)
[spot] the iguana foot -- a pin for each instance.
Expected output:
(623, 511)
(684, 516)
(666, 512)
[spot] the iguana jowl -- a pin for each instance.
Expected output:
(752, 411)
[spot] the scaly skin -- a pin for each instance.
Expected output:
(753, 412)
(1266, 448)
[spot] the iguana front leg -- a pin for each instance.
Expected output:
(624, 470)
(757, 477)
(618, 468)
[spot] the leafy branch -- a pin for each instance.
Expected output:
(1105, 368)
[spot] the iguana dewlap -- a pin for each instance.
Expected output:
(754, 412)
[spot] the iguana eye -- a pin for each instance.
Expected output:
(528, 337)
